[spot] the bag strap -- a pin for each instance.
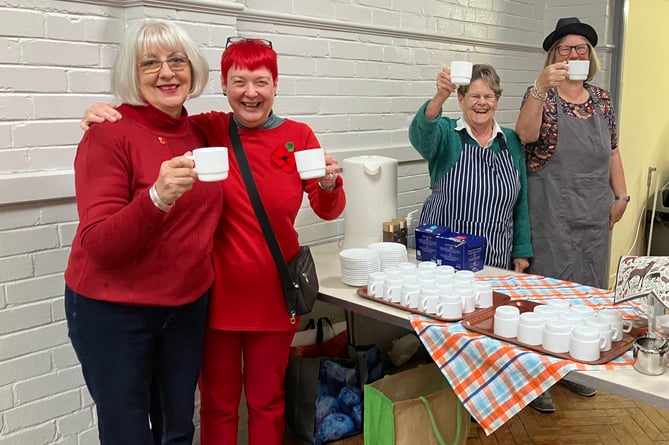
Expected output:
(320, 331)
(287, 282)
(435, 427)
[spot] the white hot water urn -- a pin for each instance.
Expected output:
(371, 198)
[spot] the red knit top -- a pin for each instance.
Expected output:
(247, 294)
(125, 249)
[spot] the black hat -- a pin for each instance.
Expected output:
(570, 25)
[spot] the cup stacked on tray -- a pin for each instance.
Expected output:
(440, 291)
(560, 328)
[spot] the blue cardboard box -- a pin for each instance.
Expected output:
(461, 250)
(426, 241)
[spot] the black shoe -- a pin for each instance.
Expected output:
(543, 403)
(581, 390)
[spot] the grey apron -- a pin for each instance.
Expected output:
(569, 202)
(478, 196)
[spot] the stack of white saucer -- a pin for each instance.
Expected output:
(356, 264)
(391, 254)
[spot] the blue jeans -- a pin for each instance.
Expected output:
(124, 350)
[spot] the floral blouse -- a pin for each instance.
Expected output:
(538, 153)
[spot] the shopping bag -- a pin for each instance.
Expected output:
(321, 339)
(324, 395)
(412, 407)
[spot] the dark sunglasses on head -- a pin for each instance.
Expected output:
(233, 40)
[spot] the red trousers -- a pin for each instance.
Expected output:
(256, 362)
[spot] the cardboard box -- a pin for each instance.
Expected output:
(426, 241)
(461, 250)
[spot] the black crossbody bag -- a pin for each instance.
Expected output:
(298, 278)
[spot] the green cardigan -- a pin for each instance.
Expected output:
(438, 142)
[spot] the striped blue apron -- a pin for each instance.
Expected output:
(477, 196)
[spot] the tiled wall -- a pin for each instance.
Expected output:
(355, 70)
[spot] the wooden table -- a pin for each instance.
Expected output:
(652, 390)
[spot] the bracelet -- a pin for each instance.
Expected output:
(334, 186)
(534, 91)
(625, 198)
(159, 203)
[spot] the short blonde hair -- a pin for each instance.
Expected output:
(595, 65)
(142, 36)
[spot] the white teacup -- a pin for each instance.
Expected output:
(410, 298)
(586, 312)
(530, 328)
(428, 305)
(585, 343)
(556, 336)
(483, 292)
(211, 163)
(461, 72)
(505, 321)
(578, 69)
(310, 163)
(450, 307)
(547, 311)
(392, 289)
(619, 325)
(573, 319)
(560, 304)
(603, 326)
(444, 272)
(375, 282)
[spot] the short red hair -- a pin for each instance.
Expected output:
(249, 55)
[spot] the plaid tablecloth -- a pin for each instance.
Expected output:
(495, 379)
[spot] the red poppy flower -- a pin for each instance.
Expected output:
(283, 158)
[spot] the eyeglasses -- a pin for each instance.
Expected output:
(581, 50)
(489, 98)
(233, 40)
(152, 66)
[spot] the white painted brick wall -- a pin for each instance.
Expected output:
(355, 71)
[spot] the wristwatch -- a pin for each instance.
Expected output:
(625, 198)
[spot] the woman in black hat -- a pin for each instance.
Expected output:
(576, 184)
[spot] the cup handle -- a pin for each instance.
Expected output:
(371, 289)
(615, 332)
(440, 307)
(602, 342)
(627, 326)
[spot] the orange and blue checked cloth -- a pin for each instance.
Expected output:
(495, 379)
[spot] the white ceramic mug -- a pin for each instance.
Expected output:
(410, 294)
(619, 325)
(585, 343)
(375, 282)
(530, 328)
(392, 289)
(586, 312)
(505, 321)
(560, 304)
(461, 72)
(578, 69)
(429, 305)
(547, 311)
(211, 163)
(483, 292)
(603, 326)
(556, 336)
(450, 307)
(310, 163)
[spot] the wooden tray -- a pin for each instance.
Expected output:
(498, 298)
(483, 324)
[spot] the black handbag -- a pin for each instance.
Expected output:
(298, 278)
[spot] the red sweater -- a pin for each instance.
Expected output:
(125, 249)
(247, 294)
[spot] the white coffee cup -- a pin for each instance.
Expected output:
(392, 289)
(461, 72)
(547, 311)
(410, 294)
(560, 304)
(619, 325)
(444, 273)
(505, 321)
(211, 163)
(586, 312)
(585, 343)
(603, 326)
(429, 304)
(310, 163)
(483, 292)
(375, 282)
(556, 336)
(450, 307)
(530, 328)
(573, 319)
(578, 69)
